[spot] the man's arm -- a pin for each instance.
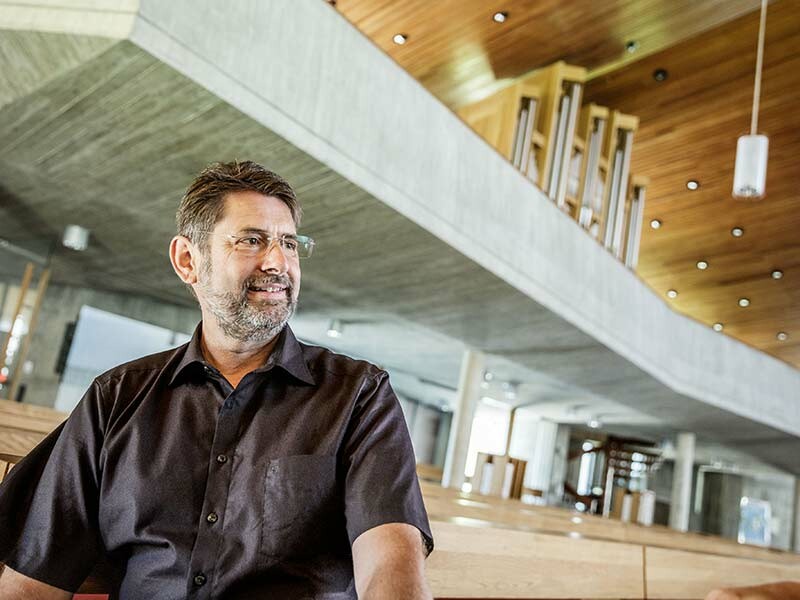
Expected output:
(388, 563)
(784, 590)
(16, 586)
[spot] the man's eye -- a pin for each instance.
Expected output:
(251, 241)
(290, 244)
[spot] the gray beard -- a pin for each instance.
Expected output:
(247, 321)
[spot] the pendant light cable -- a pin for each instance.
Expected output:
(759, 63)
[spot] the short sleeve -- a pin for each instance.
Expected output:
(381, 484)
(49, 502)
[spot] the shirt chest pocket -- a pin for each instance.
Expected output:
(301, 505)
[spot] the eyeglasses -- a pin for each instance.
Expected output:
(258, 243)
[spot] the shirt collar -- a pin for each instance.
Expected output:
(287, 354)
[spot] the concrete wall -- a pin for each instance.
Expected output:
(61, 306)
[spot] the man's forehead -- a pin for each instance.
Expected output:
(254, 211)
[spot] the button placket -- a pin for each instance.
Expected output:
(209, 534)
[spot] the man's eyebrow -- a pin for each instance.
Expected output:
(263, 232)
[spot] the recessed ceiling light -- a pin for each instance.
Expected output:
(692, 184)
(782, 336)
(655, 224)
(737, 232)
(672, 294)
(702, 265)
(744, 302)
(660, 74)
(594, 423)
(717, 327)
(632, 46)
(777, 274)
(399, 38)
(500, 17)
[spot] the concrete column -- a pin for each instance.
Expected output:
(680, 506)
(469, 391)
(558, 473)
(795, 541)
(535, 441)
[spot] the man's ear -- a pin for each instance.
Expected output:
(184, 257)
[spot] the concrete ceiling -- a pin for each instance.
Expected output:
(110, 141)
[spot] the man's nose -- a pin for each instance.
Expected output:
(274, 260)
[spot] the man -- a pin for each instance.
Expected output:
(241, 465)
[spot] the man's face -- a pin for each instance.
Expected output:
(251, 295)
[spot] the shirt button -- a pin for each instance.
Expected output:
(212, 517)
(199, 579)
(222, 459)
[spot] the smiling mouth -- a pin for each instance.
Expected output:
(272, 289)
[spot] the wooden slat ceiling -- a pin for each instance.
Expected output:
(460, 54)
(688, 130)
(688, 126)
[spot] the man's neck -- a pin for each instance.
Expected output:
(233, 358)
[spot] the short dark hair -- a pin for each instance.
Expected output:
(203, 204)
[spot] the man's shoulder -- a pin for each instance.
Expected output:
(324, 362)
(139, 367)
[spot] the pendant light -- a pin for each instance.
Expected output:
(750, 172)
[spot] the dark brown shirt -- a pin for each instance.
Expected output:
(198, 490)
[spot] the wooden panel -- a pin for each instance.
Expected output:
(677, 575)
(461, 55)
(477, 562)
(688, 127)
(495, 118)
